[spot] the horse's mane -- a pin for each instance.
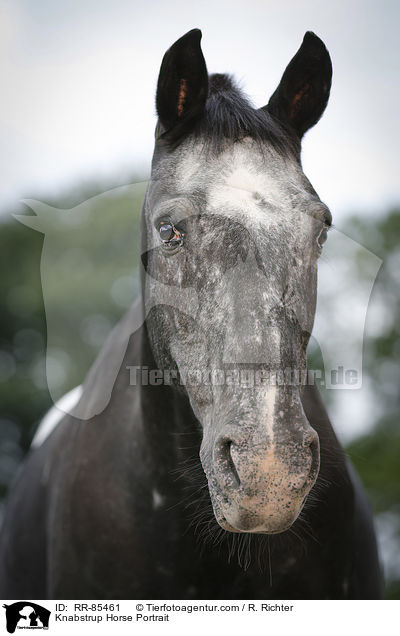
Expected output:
(229, 116)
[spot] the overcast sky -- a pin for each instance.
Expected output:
(78, 81)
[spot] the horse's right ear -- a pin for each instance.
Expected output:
(182, 87)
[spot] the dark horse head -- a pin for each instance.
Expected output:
(233, 228)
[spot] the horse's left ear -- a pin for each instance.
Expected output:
(182, 87)
(303, 92)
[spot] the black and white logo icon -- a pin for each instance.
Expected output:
(26, 615)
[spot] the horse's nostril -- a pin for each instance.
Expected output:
(313, 444)
(232, 464)
(310, 440)
(226, 466)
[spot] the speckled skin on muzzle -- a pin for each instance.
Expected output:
(259, 476)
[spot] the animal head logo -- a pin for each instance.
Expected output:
(26, 614)
(79, 241)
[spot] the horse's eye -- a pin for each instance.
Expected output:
(166, 231)
(170, 236)
(322, 236)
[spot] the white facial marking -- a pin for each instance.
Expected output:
(240, 188)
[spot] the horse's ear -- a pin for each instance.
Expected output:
(303, 92)
(182, 87)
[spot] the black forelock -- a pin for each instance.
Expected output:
(229, 116)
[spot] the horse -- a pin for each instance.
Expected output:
(210, 473)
